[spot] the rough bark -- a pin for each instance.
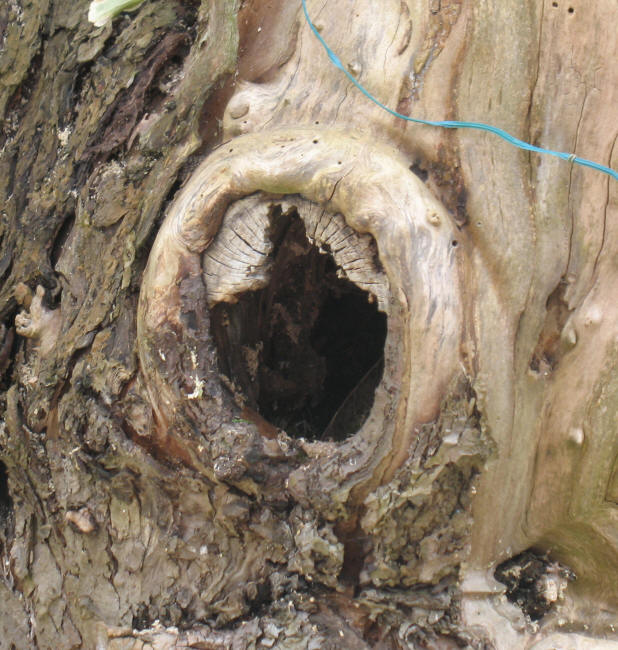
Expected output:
(205, 231)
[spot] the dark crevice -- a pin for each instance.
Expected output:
(531, 581)
(356, 547)
(60, 238)
(6, 503)
(259, 603)
(8, 349)
(141, 619)
(82, 76)
(305, 352)
(19, 103)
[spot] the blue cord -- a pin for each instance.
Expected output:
(452, 124)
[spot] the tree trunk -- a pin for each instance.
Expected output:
(281, 369)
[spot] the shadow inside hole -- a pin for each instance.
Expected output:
(306, 352)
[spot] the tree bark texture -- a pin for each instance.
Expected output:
(282, 370)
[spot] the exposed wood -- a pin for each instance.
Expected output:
(418, 248)
(197, 210)
(239, 259)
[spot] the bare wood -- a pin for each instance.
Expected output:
(374, 190)
(143, 500)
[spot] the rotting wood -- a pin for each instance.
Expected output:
(418, 248)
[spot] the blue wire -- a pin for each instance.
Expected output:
(452, 124)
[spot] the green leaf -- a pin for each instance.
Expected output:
(102, 11)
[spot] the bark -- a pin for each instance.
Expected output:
(279, 369)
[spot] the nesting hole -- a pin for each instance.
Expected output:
(305, 352)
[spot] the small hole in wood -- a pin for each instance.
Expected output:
(571, 10)
(454, 243)
(315, 141)
(525, 577)
(554, 4)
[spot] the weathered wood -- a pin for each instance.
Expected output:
(418, 248)
(238, 259)
(144, 497)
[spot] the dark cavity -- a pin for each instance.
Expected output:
(306, 352)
